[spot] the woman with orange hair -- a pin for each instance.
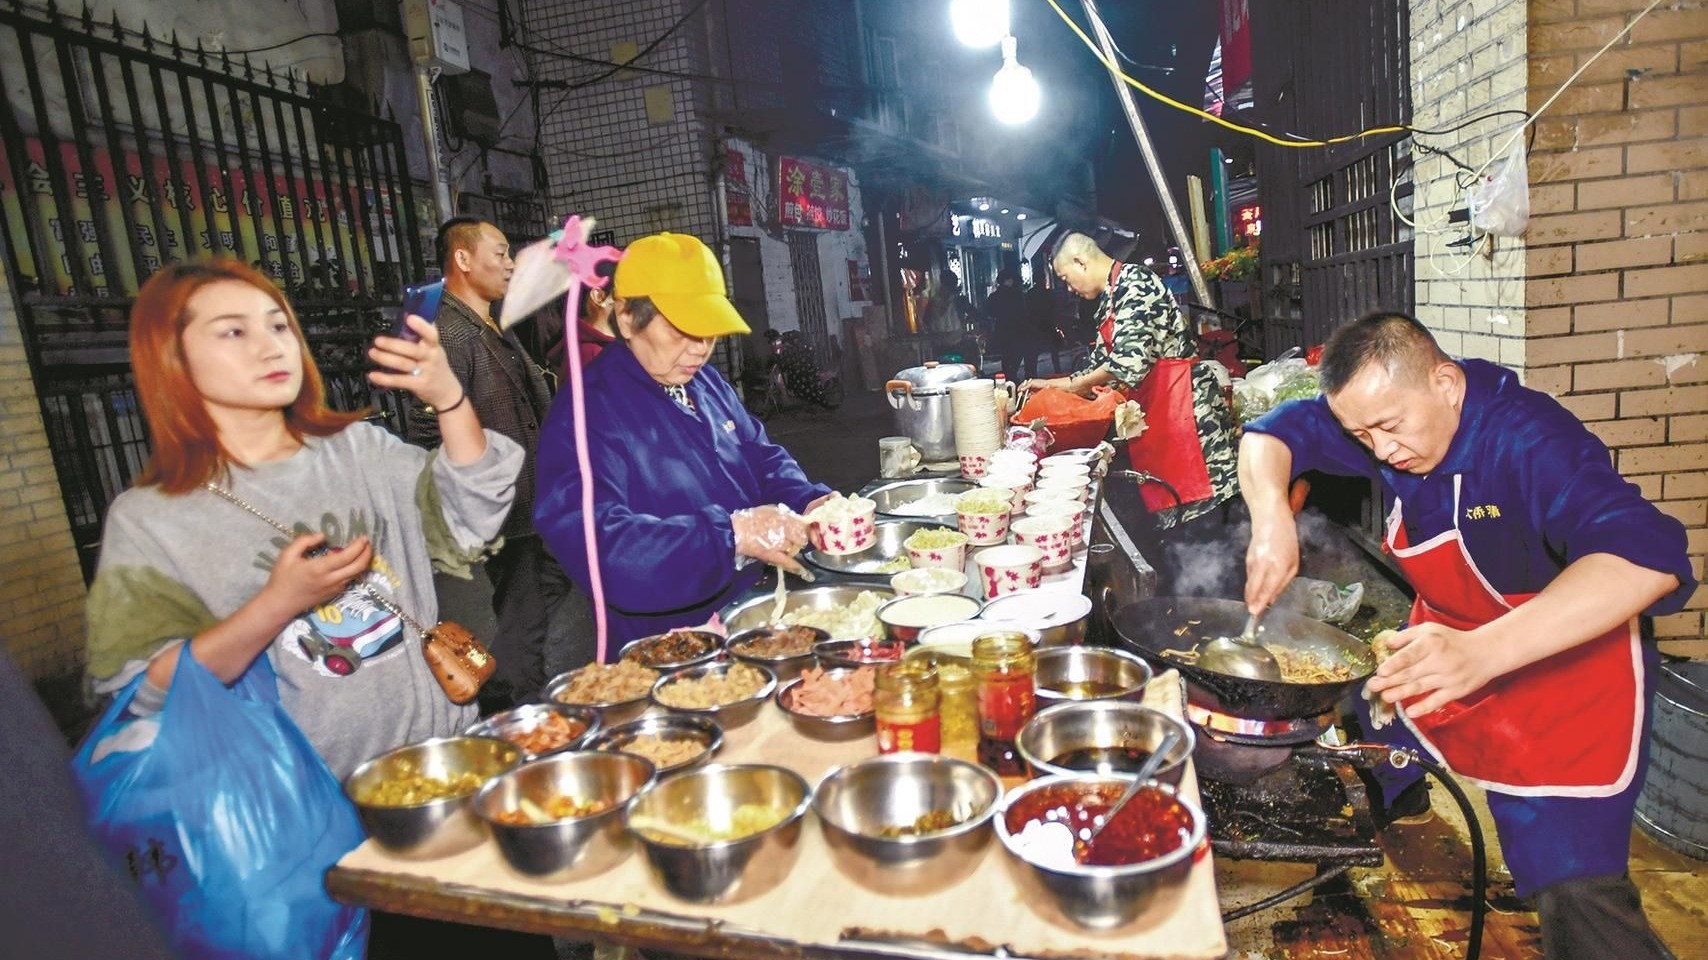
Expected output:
(193, 557)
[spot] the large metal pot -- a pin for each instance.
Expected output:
(920, 397)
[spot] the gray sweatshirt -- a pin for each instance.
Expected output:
(172, 566)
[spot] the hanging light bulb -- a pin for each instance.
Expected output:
(1014, 95)
(979, 23)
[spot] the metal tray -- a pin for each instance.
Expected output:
(756, 611)
(867, 565)
(890, 496)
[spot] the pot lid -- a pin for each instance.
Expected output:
(934, 377)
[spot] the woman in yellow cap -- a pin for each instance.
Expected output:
(689, 491)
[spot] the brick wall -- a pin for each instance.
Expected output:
(1618, 249)
(1467, 58)
(41, 584)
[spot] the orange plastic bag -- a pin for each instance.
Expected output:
(1075, 421)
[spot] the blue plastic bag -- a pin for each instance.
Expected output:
(227, 820)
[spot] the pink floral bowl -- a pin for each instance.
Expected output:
(952, 557)
(1073, 510)
(1051, 534)
(974, 467)
(1009, 569)
(983, 529)
(1077, 486)
(845, 534)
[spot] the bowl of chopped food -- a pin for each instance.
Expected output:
(832, 703)
(414, 801)
(561, 818)
(677, 648)
(721, 833)
(541, 729)
(937, 548)
(730, 693)
(859, 653)
(844, 612)
(620, 691)
(783, 650)
(905, 823)
(671, 741)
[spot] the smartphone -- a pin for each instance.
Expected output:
(423, 302)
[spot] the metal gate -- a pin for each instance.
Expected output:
(122, 152)
(809, 294)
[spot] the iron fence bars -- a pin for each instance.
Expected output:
(121, 151)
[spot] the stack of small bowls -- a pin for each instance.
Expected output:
(978, 428)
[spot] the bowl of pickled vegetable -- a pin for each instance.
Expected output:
(541, 729)
(561, 818)
(907, 823)
(678, 648)
(414, 801)
(721, 833)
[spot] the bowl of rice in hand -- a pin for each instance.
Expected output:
(730, 693)
(832, 703)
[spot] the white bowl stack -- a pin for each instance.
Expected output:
(978, 430)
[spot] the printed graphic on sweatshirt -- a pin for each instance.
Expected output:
(338, 635)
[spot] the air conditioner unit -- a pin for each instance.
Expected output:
(472, 111)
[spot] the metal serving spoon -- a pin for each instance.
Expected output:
(1147, 770)
(1240, 656)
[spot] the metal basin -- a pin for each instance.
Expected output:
(1099, 898)
(856, 802)
(722, 871)
(437, 828)
(848, 726)
(1070, 674)
(700, 730)
(727, 715)
(756, 611)
(892, 497)
(573, 846)
(787, 666)
(1103, 729)
(521, 722)
(869, 564)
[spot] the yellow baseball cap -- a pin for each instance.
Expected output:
(683, 280)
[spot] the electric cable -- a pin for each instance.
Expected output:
(272, 46)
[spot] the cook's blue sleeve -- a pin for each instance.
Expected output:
(1316, 439)
(1583, 506)
(648, 563)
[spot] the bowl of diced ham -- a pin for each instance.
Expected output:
(833, 703)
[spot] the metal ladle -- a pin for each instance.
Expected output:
(1147, 770)
(1241, 656)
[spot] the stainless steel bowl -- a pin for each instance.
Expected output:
(786, 667)
(892, 496)
(713, 643)
(728, 715)
(951, 607)
(1060, 619)
(1106, 729)
(756, 611)
(722, 871)
(611, 712)
(856, 802)
(842, 727)
(522, 720)
(670, 726)
(437, 828)
(869, 564)
(573, 847)
(859, 653)
(1100, 898)
(1079, 674)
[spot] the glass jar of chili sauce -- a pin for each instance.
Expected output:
(1004, 668)
(906, 701)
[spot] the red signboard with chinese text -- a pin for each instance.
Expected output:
(1236, 46)
(811, 195)
(1248, 221)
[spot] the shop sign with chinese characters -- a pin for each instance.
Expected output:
(1248, 222)
(812, 196)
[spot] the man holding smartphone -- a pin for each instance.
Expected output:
(541, 617)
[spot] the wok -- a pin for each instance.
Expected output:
(1149, 627)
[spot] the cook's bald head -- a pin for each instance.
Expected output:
(1073, 245)
(1392, 342)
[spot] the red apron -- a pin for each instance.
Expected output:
(1170, 447)
(1568, 725)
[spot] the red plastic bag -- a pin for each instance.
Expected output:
(1075, 421)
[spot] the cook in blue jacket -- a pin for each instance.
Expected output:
(1524, 668)
(689, 491)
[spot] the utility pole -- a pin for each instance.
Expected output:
(1176, 225)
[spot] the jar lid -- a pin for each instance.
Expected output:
(932, 377)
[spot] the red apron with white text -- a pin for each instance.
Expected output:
(1567, 725)
(1170, 447)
